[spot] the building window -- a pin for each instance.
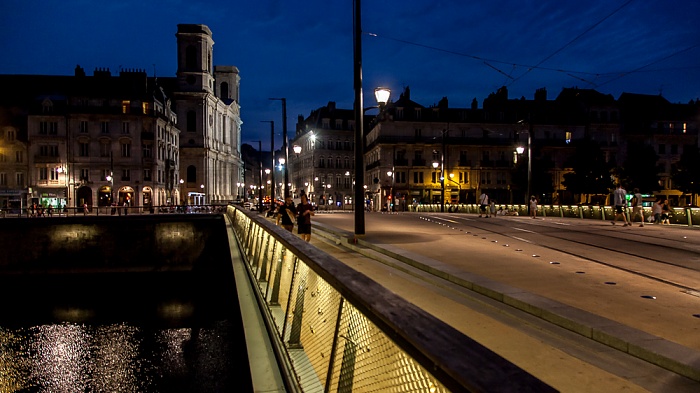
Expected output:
(19, 179)
(191, 121)
(418, 177)
(3, 157)
(125, 106)
(19, 156)
(147, 151)
(48, 150)
(10, 135)
(126, 174)
(83, 127)
(501, 178)
(106, 173)
(105, 149)
(146, 107)
(400, 177)
(126, 149)
(486, 178)
(125, 127)
(418, 113)
(417, 132)
(464, 177)
(147, 175)
(3, 179)
(105, 127)
(48, 128)
(85, 174)
(83, 149)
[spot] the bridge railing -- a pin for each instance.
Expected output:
(679, 215)
(335, 329)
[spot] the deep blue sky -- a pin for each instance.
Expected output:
(303, 50)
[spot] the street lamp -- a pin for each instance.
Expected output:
(459, 186)
(442, 181)
(203, 197)
(391, 174)
(285, 149)
(359, 117)
(272, 151)
(182, 197)
(520, 150)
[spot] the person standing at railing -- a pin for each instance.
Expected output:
(286, 214)
(305, 210)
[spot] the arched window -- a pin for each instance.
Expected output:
(191, 174)
(224, 91)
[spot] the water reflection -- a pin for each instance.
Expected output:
(180, 338)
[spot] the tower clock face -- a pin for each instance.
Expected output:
(191, 80)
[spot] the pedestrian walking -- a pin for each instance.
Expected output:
(533, 206)
(304, 210)
(483, 203)
(620, 202)
(637, 210)
(286, 214)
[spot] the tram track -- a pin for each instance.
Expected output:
(616, 254)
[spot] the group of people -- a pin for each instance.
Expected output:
(36, 210)
(661, 210)
(288, 215)
(488, 207)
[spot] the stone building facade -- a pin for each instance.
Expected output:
(99, 140)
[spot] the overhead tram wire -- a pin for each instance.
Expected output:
(482, 59)
(572, 41)
(623, 74)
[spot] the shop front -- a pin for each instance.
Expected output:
(56, 198)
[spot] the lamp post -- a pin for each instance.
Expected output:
(380, 93)
(182, 197)
(204, 199)
(459, 186)
(272, 152)
(297, 150)
(520, 150)
(391, 174)
(285, 150)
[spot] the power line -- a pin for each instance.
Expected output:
(488, 62)
(572, 41)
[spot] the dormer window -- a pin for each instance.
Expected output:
(47, 106)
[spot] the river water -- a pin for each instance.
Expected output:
(122, 332)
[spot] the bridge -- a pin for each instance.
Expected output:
(325, 326)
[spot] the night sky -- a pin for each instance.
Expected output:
(303, 50)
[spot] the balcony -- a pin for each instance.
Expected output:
(38, 159)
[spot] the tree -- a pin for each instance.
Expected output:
(684, 173)
(640, 168)
(590, 172)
